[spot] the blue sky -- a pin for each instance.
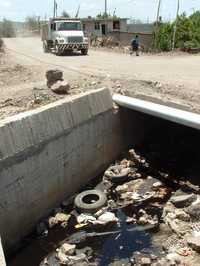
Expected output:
(138, 9)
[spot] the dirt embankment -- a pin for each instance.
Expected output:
(168, 79)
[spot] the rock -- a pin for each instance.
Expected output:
(80, 258)
(61, 87)
(157, 185)
(193, 211)
(53, 76)
(183, 201)
(68, 249)
(63, 259)
(145, 261)
(88, 251)
(52, 222)
(62, 217)
(194, 243)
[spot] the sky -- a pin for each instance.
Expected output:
(144, 10)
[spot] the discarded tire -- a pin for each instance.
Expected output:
(117, 174)
(90, 201)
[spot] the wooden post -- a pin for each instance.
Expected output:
(175, 25)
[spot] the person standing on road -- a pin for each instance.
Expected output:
(135, 45)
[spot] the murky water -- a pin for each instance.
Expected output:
(106, 249)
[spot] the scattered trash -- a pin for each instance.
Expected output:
(108, 217)
(128, 205)
(117, 174)
(90, 201)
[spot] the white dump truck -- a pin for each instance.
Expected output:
(61, 34)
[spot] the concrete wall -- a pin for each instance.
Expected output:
(48, 154)
(89, 26)
(125, 38)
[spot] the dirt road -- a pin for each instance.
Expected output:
(178, 70)
(167, 78)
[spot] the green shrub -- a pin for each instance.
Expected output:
(187, 33)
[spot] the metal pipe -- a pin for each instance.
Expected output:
(168, 113)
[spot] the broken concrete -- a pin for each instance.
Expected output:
(183, 201)
(61, 87)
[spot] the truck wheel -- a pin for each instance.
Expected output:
(90, 201)
(57, 50)
(84, 51)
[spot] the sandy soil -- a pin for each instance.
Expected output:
(172, 79)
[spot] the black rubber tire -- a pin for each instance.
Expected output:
(84, 51)
(84, 207)
(117, 178)
(57, 51)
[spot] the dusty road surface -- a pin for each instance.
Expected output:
(167, 78)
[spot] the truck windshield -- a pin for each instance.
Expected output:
(65, 26)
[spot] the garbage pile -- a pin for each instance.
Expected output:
(129, 200)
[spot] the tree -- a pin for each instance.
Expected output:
(65, 14)
(33, 23)
(7, 29)
(187, 33)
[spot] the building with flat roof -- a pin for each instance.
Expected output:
(100, 26)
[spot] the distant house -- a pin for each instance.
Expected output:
(100, 26)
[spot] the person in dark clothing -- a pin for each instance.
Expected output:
(135, 45)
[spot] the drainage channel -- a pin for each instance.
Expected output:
(153, 210)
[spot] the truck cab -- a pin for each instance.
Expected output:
(61, 35)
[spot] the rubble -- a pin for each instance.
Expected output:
(194, 243)
(53, 76)
(140, 203)
(68, 249)
(183, 201)
(59, 218)
(61, 87)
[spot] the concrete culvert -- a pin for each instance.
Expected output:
(90, 201)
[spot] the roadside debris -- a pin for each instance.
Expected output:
(53, 76)
(61, 87)
(132, 202)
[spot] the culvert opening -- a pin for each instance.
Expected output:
(163, 188)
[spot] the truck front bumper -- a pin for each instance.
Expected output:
(73, 46)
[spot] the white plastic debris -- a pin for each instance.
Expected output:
(84, 219)
(108, 217)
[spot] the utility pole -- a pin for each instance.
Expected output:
(157, 21)
(55, 8)
(106, 7)
(175, 25)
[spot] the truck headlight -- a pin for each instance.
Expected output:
(61, 40)
(85, 40)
